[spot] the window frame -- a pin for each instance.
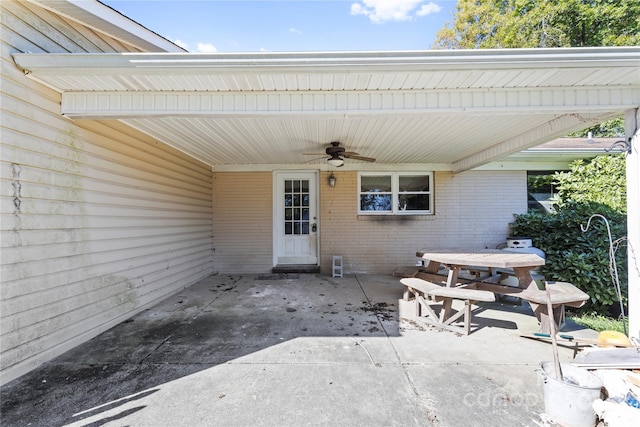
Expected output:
(395, 193)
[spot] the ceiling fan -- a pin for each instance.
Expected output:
(337, 155)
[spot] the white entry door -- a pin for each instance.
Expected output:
(295, 218)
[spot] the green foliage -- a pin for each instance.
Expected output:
(582, 258)
(601, 323)
(610, 128)
(577, 257)
(602, 180)
(541, 23)
(540, 183)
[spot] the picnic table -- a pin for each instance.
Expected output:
(521, 264)
(457, 259)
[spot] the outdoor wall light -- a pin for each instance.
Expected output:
(623, 146)
(332, 180)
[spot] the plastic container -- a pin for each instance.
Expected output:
(527, 250)
(519, 242)
(570, 402)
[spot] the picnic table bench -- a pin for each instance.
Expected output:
(429, 287)
(562, 294)
(426, 294)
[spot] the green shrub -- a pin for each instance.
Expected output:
(582, 258)
(602, 180)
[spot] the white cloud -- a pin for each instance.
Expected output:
(201, 47)
(206, 48)
(379, 11)
(295, 30)
(182, 44)
(428, 9)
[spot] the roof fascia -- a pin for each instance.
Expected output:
(353, 61)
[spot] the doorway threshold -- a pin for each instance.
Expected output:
(296, 268)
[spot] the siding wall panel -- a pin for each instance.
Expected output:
(98, 220)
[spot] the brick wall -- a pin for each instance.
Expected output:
(242, 222)
(472, 209)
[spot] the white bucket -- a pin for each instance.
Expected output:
(570, 402)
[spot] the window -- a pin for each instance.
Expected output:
(296, 206)
(541, 191)
(395, 193)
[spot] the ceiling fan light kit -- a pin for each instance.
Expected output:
(336, 161)
(338, 154)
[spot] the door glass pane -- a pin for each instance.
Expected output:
(296, 195)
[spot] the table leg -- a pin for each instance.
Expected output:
(452, 278)
(542, 314)
(446, 309)
(433, 267)
(524, 277)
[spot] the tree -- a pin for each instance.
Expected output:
(482, 24)
(610, 128)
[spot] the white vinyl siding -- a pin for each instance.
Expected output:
(98, 220)
(29, 28)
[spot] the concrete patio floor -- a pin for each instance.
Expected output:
(291, 350)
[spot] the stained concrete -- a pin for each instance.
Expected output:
(291, 350)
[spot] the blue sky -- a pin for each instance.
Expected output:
(292, 26)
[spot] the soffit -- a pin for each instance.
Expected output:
(453, 109)
(107, 20)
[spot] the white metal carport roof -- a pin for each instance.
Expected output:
(448, 110)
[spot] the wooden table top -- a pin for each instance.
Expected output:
(482, 258)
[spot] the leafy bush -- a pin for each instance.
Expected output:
(582, 258)
(602, 180)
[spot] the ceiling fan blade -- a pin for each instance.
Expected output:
(324, 157)
(314, 154)
(356, 156)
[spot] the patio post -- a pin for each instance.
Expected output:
(632, 118)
